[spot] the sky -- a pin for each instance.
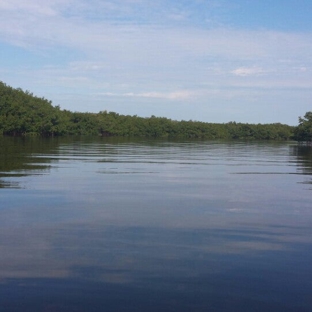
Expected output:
(206, 60)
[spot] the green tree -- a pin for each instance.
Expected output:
(303, 132)
(22, 113)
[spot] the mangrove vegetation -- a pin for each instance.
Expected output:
(22, 113)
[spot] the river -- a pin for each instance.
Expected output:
(106, 224)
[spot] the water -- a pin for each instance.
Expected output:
(105, 224)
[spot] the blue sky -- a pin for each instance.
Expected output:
(213, 60)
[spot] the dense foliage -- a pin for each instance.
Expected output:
(22, 113)
(303, 133)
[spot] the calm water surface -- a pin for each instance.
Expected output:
(121, 225)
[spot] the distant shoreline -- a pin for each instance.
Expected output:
(23, 114)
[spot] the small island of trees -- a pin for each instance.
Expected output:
(23, 114)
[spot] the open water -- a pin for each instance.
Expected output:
(102, 224)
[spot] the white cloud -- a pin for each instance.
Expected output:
(301, 69)
(65, 23)
(176, 95)
(32, 7)
(130, 49)
(248, 71)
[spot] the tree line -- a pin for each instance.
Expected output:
(22, 113)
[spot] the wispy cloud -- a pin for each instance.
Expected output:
(147, 50)
(248, 71)
(32, 7)
(176, 95)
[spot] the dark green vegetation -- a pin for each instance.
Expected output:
(22, 113)
(303, 133)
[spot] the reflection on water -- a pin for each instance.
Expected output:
(16, 158)
(154, 225)
(303, 154)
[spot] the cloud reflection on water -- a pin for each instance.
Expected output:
(183, 226)
(121, 254)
